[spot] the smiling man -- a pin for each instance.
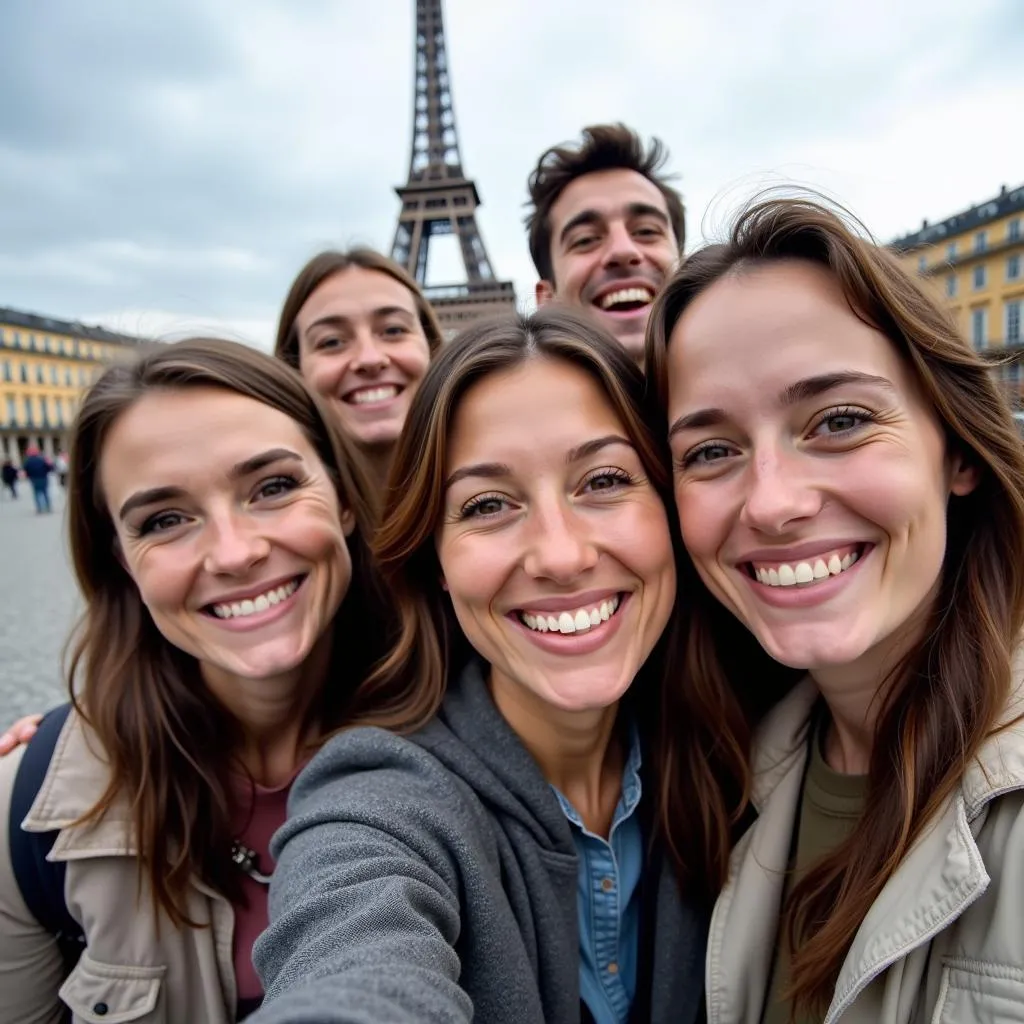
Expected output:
(605, 228)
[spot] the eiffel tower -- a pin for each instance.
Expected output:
(438, 198)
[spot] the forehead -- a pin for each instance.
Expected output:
(352, 293)
(530, 414)
(608, 193)
(195, 434)
(780, 323)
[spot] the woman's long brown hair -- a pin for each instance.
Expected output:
(408, 687)
(168, 741)
(949, 692)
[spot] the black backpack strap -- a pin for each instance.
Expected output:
(42, 881)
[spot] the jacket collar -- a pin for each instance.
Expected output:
(75, 780)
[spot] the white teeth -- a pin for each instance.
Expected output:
(579, 621)
(804, 573)
(626, 295)
(368, 395)
(250, 606)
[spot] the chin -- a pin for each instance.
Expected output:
(820, 650)
(587, 693)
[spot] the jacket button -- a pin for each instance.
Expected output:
(100, 1009)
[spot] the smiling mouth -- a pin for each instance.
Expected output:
(372, 396)
(254, 605)
(808, 572)
(573, 620)
(625, 300)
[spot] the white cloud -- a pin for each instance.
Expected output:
(175, 166)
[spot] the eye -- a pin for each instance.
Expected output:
(276, 486)
(395, 331)
(162, 522)
(606, 480)
(484, 506)
(331, 341)
(582, 241)
(705, 454)
(838, 422)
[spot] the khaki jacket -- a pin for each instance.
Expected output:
(944, 941)
(130, 970)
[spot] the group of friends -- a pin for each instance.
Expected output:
(651, 657)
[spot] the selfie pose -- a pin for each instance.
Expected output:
(508, 836)
(850, 488)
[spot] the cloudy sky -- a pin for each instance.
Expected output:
(168, 165)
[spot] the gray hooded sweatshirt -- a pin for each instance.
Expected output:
(433, 878)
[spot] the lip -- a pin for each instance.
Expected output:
(346, 396)
(570, 602)
(260, 619)
(807, 596)
(798, 552)
(575, 644)
(254, 591)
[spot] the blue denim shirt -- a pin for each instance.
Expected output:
(609, 900)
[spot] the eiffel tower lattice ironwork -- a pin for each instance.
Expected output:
(438, 198)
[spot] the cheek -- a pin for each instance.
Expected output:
(413, 359)
(473, 573)
(162, 577)
(322, 374)
(697, 522)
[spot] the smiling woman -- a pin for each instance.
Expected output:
(360, 331)
(520, 836)
(850, 488)
(218, 529)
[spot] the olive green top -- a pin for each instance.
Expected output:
(830, 806)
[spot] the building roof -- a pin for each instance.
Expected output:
(1008, 201)
(72, 328)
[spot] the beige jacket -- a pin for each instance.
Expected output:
(944, 941)
(128, 972)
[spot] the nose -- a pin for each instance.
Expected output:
(234, 545)
(559, 547)
(621, 248)
(779, 493)
(369, 355)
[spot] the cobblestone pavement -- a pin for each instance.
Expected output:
(38, 604)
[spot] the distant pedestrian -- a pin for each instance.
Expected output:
(60, 465)
(9, 474)
(38, 469)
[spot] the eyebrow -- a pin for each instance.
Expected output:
(498, 470)
(800, 391)
(337, 320)
(595, 217)
(153, 495)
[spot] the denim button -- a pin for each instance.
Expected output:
(100, 1009)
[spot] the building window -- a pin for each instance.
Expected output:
(27, 402)
(951, 285)
(16, 339)
(12, 409)
(922, 264)
(979, 328)
(1013, 267)
(54, 375)
(951, 251)
(40, 374)
(1013, 229)
(980, 241)
(67, 376)
(979, 276)
(24, 373)
(8, 376)
(1013, 322)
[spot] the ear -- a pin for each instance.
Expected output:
(964, 475)
(348, 521)
(544, 292)
(444, 584)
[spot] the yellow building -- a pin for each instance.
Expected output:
(45, 365)
(975, 261)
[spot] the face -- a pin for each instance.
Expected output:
(812, 485)
(554, 546)
(362, 347)
(612, 246)
(230, 527)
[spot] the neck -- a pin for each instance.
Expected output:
(577, 751)
(378, 461)
(277, 714)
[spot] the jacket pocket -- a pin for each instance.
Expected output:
(980, 992)
(101, 993)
